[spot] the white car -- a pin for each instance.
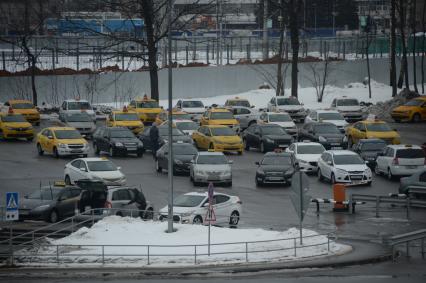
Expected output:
(343, 166)
(281, 119)
(245, 115)
(186, 126)
(76, 106)
(191, 106)
(210, 167)
(350, 108)
(192, 208)
(331, 116)
(94, 169)
(400, 160)
(291, 105)
(307, 155)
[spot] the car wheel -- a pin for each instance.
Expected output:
(158, 167)
(416, 118)
(211, 146)
(234, 219)
(369, 183)
(376, 170)
(53, 216)
(96, 148)
(39, 150)
(197, 220)
(149, 214)
(333, 179)
(139, 154)
(262, 147)
(320, 176)
(246, 147)
(390, 175)
(55, 152)
(67, 180)
(111, 151)
(258, 183)
(161, 218)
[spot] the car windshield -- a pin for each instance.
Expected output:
(287, 101)
(148, 104)
(185, 126)
(373, 146)
(78, 117)
(330, 116)
(276, 160)
(414, 102)
(280, 118)
(192, 104)
(22, 106)
(184, 149)
(188, 201)
(243, 103)
(81, 105)
(212, 159)
(164, 131)
(347, 102)
(410, 153)
(126, 117)
(326, 129)
(45, 194)
(347, 159)
(225, 131)
(122, 133)
(221, 115)
(67, 134)
(310, 149)
(182, 116)
(379, 127)
(104, 165)
(13, 118)
(273, 130)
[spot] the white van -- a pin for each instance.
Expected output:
(76, 106)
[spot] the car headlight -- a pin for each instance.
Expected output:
(42, 207)
(118, 144)
(260, 171)
(289, 172)
(225, 173)
(269, 140)
(199, 172)
(303, 161)
(10, 128)
(140, 144)
(341, 171)
(179, 162)
(345, 139)
(62, 145)
(367, 171)
(322, 139)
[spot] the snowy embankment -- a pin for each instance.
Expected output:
(125, 242)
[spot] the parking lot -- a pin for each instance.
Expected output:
(22, 170)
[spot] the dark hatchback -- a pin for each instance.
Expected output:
(50, 203)
(117, 141)
(326, 134)
(275, 168)
(163, 132)
(369, 149)
(266, 137)
(183, 154)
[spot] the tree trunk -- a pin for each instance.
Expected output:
(30, 57)
(403, 75)
(147, 6)
(279, 90)
(423, 47)
(413, 31)
(294, 30)
(393, 49)
(367, 45)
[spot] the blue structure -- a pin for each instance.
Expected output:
(95, 26)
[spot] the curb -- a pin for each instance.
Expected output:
(376, 253)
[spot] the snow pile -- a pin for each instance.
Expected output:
(178, 249)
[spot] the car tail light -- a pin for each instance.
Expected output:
(108, 204)
(395, 161)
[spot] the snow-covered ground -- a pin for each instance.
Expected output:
(178, 248)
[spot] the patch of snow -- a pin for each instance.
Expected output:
(178, 248)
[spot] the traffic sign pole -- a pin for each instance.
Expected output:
(301, 206)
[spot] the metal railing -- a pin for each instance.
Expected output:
(150, 254)
(406, 238)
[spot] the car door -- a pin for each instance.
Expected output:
(312, 117)
(66, 202)
(50, 140)
(257, 136)
(384, 161)
(119, 201)
(146, 139)
(248, 135)
(204, 118)
(103, 140)
(73, 170)
(222, 208)
(423, 111)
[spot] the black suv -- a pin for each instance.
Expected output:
(275, 168)
(117, 141)
(326, 134)
(266, 137)
(369, 149)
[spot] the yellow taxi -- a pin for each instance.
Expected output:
(15, 126)
(147, 109)
(217, 138)
(61, 141)
(125, 118)
(371, 129)
(220, 116)
(176, 115)
(25, 108)
(414, 110)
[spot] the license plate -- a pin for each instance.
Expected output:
(335, 144)
(24, 212)
(336, 147)
(411, 166)
(76, 151)
(356, 177)
(275, 178)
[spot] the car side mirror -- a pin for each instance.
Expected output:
(230, 161)
(192, 161)
(257, 163)
(257, 133)
(329, 163)
(50, 137)
(366, 162)
(83, 169)
(252, 106)
(206, 204)
(395, 130)
(119, 168)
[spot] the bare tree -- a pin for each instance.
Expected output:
(403, 75)
(423, 47)
(320, 75)
(413, 33)
(270, 75)
(294, 8)
(392, 70)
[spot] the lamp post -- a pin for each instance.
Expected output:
(170, 136)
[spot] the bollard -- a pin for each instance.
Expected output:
(339, 197)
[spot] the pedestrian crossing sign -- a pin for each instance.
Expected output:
(12, 206)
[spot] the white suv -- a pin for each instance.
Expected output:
(344, 166)
(191, 106)
(288, 104)
(349, 108)
(331, 116)
(307, 155)
(400, 160)
(76, 106)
